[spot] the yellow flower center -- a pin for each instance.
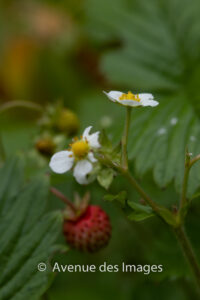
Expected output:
(80, 148)
(129, 96)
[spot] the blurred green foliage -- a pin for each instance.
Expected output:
(72, 50)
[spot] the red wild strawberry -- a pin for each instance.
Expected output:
(90, 232)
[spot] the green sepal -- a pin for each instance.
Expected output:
(121, 197)
(140, 212)
(105, 177)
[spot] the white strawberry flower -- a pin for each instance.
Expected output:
(78, 157)
(130, 99)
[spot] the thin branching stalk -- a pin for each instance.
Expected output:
(139, 189)
(188, 253)
(124, 172)
(175, 222)
(179, 231)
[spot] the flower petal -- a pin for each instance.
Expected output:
(147, 100)
(113, 95)
(62, 161)
(146, 96)
(131, 103)
(91, 157)
(86, 132)
(93, 139)
(149, 103)
(81, 170)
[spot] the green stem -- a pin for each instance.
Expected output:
(106, 161)
(189, 253)
(194, 160)
(139, 189)
(125, 139)
(183, 201)
(188, 165)
(179, 231)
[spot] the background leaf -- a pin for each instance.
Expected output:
(155, 53)
(158, 51)
(27, 235)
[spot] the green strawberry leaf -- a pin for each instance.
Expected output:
(157, 52)
(27, 235)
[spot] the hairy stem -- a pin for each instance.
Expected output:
(125, 138)
(189, 253)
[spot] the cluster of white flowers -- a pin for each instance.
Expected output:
(80, 155)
